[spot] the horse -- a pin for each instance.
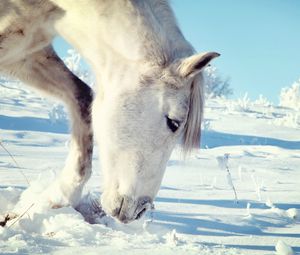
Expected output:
(149, 91)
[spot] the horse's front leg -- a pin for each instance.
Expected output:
(45, 71)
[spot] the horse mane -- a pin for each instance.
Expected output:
(174, 49)
(162, 40)
(168, 46)
(192, 131)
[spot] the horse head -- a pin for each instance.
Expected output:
(139, 124)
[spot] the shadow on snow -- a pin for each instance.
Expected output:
(33, 124)
(212, 139)
(188, 224)
(225, 203)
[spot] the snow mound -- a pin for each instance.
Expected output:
(283, 249)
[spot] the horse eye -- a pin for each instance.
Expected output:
(173, 124)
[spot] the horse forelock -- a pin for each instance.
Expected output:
(192, 131)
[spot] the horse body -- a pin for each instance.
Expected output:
(148, 90)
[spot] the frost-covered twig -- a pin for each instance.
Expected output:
(230, 182)
(21, 216)
(223, 164)
(248, 209)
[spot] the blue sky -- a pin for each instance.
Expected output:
(259, 41)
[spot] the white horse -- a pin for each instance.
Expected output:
(149, 90)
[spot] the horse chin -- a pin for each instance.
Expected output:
(127, 209)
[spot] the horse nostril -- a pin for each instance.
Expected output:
(130, 209)
(141, 213)
(116, 212)
(144, 204)
(122, 202)
(126, 205)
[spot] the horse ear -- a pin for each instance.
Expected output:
(192, 65)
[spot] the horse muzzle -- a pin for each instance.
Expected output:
(130, 209)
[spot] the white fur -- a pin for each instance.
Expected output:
(144, 74)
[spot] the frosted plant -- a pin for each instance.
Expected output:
(292, 213)
(172, 238)
(248, 209)
(73, 62)
(223, 161)
(240, 105)
(223, 165)
(206, 125)
(243, 103)
(230, 106)
(290, 97)
(215, 85)
(230, 183)
(262, 101)
(57, 114)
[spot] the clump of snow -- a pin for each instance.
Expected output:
(293, 213)
(269, 203)
(172, 238)
(283, 249)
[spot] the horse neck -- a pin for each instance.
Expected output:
(118, 36)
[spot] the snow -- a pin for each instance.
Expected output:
(283, 249)
(195, 211)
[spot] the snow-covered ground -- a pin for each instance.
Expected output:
(195, 211)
